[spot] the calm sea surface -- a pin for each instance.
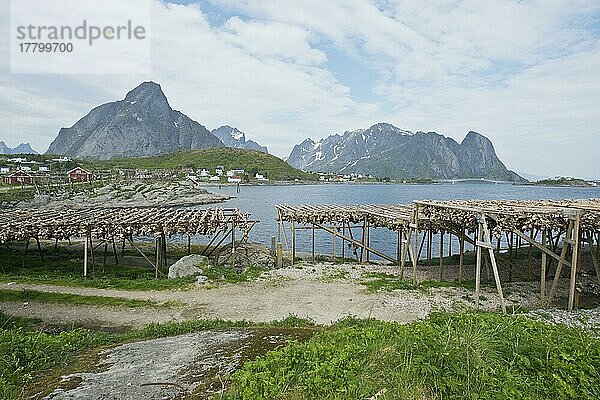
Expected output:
(260, 201)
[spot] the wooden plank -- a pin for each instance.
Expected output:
(494, 265)
(543, 271)
(478, 267)
(358, 243)
(561, 261)
(574, 260)
(543, 248)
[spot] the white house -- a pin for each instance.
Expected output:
(219, 170)
(236, 172)
(260, 177)
(234, 179)
(62, 159)
(44, 168)
(204, 173)
(17, 160)
(25, 168)
(215, 178)
(4, 170)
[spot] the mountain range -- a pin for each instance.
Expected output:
(384, 150)
(144, 124)
(23, 148)
(233, 137)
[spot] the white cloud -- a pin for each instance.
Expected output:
(527, 74)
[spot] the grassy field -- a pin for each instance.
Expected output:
(74, 299)
(251, 161)
(449, 356)
(26, 353)
(63, 266)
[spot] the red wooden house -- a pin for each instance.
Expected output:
(79, 174)
(18, 178)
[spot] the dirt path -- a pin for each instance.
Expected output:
(323, 292)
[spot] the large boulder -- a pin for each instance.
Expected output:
(248, 255)
(187, 266)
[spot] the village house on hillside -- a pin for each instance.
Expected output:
(18, 178)
(79, 174)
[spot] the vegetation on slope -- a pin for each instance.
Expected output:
(563, 181)
(448, 356)
(230, 158)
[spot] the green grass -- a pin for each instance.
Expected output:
(26, 353)
(251, 161)
(448, 356)
(378, 281)
(16, 194)
(74, 299)
(63, 267)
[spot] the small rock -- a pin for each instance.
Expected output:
(187, 266)
(202, 279)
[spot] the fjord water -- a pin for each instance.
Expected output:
(260, 201)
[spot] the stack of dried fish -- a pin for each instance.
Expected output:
(117, 222)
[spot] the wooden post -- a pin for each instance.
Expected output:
(398, 249)
(25, 252)
(157, 250)
(279, 255)
(543, 271)
(461, 260)
(114, 246)
(563, 254)
(593, 254)
(363, 241)
(92, 253)
(441, 255)
(293, 242)
(335, 240)
(368, 240)
(233, 245)
(488, 243)
(343, 243)
(313, 243)
(273, 246)
(85, 257)
(415, 252)
(478, 265)
(189, 245)
(39, 247)
(574, 260)
(510, 256)
(429, 237)
(529, 255)
(405, 245)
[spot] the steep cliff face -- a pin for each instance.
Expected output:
(387, 151)
(143, 124)
(233, 137)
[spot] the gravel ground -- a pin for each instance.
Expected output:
(323, 292)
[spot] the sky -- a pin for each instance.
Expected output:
(524, 73)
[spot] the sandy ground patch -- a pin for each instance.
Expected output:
(323, 292)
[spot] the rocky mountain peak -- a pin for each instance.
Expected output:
(22, 148)
(233, 137)
(385, 150)
(143, 124)
(147, 93)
